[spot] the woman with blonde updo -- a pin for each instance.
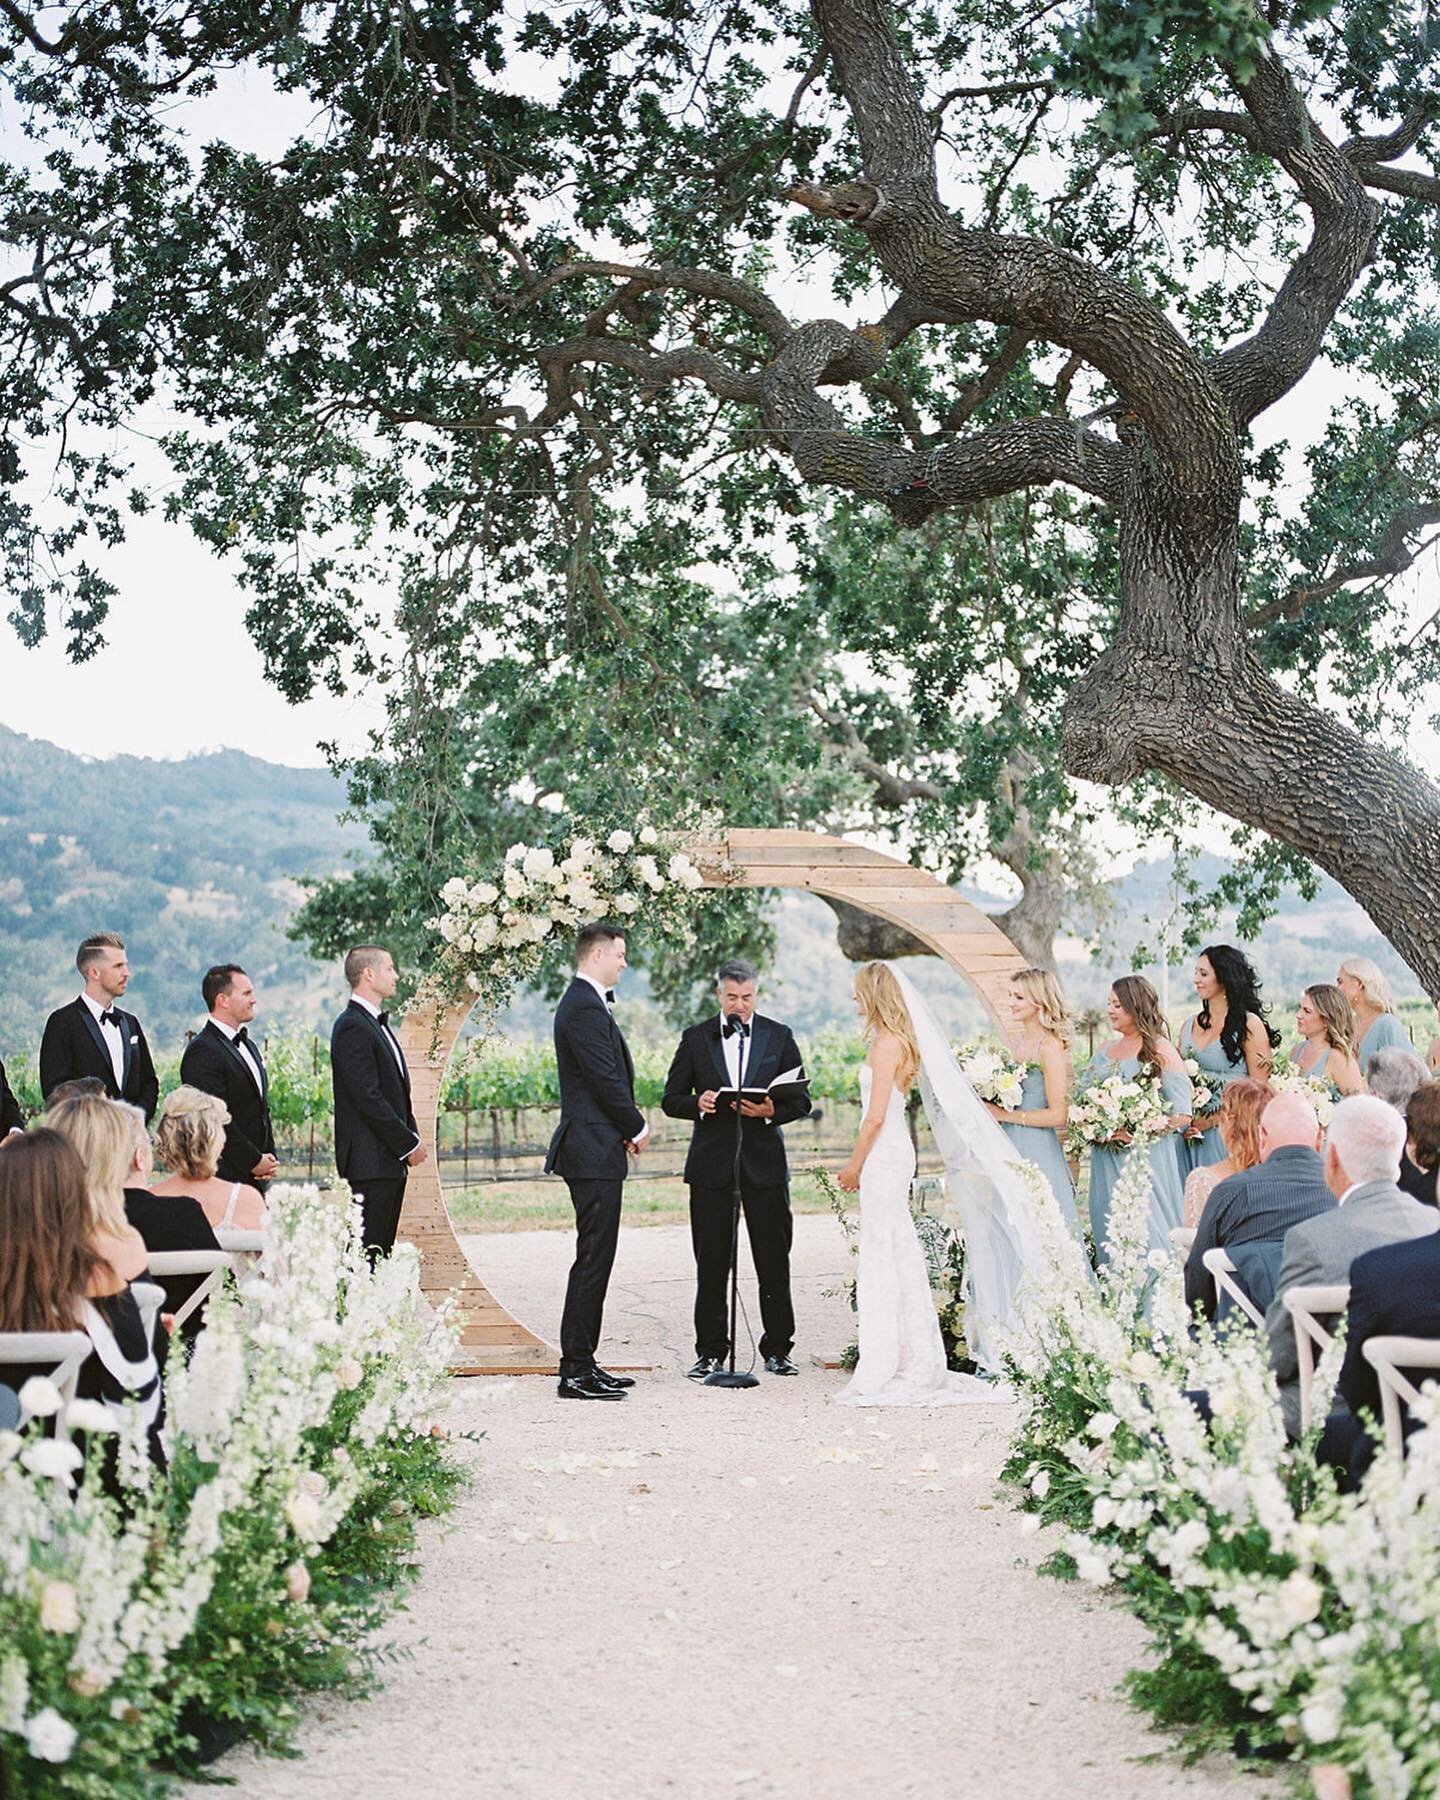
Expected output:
(1042, 1039)
(189, 1136)
(1376, 1025)
(902, 1354)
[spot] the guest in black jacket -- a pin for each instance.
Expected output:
(11, 1117)
(166, 1222)
(711, 1056)
(223, 1060)
(1394, 1292)
(376, 1140)
(1420, 1165)
(92, 1036)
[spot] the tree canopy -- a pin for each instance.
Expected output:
(823, 413)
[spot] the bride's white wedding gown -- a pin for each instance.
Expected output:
(902, 1355)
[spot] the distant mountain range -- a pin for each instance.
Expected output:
(198, 861)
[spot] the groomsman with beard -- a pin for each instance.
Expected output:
(222, 1059)
(376, 1140)
(93, 1037)
(714, 1055)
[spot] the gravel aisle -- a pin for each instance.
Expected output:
(725, 1595)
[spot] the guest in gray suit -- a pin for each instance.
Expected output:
(1362, 1165)
(1260, 1204)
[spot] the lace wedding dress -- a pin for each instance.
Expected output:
(902, 1355)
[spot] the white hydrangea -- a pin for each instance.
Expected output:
(49, 1737)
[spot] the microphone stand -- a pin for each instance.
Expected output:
(731, 1377)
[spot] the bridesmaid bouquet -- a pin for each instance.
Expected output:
(1286, 1078)
(1204, 1092)
(994, 1073)
(1098, 1113)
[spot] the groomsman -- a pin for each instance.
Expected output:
(222, 1059)
(12, 1120)
(712, 1055)
(91, 1036)
(376, 1140)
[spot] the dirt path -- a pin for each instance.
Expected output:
(726, 1595)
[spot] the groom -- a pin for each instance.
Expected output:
(600, 1125)
(716, 1054)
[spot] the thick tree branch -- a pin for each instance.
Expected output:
(706, 283)
(891, 790)
(896, 138)
(1410, 184)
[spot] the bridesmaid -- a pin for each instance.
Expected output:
(1141, 1046)
(1042, 1036)
(1376, 1026)
(1325, 1048)
(1229, 1038)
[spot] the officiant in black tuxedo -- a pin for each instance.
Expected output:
(738, 1047)
(376, 1139)
(92, 1036)
(223, 1059)
(600, 1128)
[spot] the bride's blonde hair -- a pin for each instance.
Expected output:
(884, 1006)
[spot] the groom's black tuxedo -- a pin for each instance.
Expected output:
(213, 1064)
(73, 1046)
(598, 1116)
(375, 1127)
(699, 1065)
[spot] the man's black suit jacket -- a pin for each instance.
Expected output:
(374, 1122)
(598, 1114)
(699, 1065)
(1394, 1292)
(11, 1117)
(73, 1045)
(213, 1064)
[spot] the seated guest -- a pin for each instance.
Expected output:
(1421, 1161)
(109, 1136)
(53, 1278)
(1393, 1074)
(1362, 1166)
(1260, 1204)
(1241, 1105)
(1394, 1292)
(189, 1136)
(103, 1140)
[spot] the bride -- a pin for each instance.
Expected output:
(902, 1355)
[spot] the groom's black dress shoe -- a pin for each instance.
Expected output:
(615, 1381)
(587, 1387)
(706, 1365)
(780, 1365)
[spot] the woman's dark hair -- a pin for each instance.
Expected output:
(46, 1262)
(1236, 974)
(1142, 1003)
(1422, 1124)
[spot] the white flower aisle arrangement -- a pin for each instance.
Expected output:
(994, 1073)
(303, 1448)
(1130, 1108)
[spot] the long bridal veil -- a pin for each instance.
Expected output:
(996, 1203)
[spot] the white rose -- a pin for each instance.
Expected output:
(538, 862)
(465, 943)
(40, 1397)
(515, 853)
(51, 1456)
(555, 877)
(678, 865)
(516, 886)
(472, 981)
(692, 878)
(485, 893)
(88, 1415)
(582, 850)
(349, 1374)
(454, 889)
(297, 1582)
(649, 835)
(626, 903)
(486, 932)
(619, 842)
(50, 1738)
(312, 1482)
(58, 1609)
(303, 1512)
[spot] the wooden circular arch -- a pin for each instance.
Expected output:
(495, 1343)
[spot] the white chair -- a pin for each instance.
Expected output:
(1182, 1237)
(1221, 1267)
(243, 1247)
(1306, 1307)
(1387, 1356)
(57, 1354)
(212, 1263)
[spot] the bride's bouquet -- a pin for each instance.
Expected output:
(994, 1073)
(1132, 1104)
(1287, 1078)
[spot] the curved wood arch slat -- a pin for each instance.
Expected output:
(493, 1342)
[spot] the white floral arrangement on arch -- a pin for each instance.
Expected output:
(495, 931)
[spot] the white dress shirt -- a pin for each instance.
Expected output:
(110, 1031)
(604, 994)
(251, 1063)
(734, 1048)
(390, 1038)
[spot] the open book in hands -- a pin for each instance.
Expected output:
(728, 1098)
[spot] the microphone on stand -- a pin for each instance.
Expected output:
(731, 1377)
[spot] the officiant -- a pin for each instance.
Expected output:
(739, 1048)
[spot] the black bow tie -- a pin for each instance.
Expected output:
(108, 1018)
(734, 1025)
(382, 1018)
(609, 996)
(242, 1036)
